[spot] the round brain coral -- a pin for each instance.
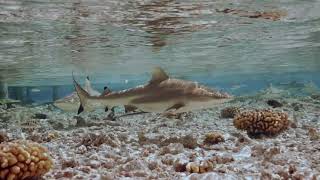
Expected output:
(261, 122)
(23, 160)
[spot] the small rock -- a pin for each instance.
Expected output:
(85, 169)
(40, 116)
(189, 141)
(229, 112)
(202, 167)
(274, 103)
(266, 175)
(70, 162)
(271, 152)
(206, 166)
(94, 164)
(315, 96)
(213, 138)
(3, 137)
(98, 139)
(81, 122)
(173, 148)
(298, 176)
(297, 106)
(179, 166)
(193, 167)
(82, 149)
(56, 125)
(313, 134)
(292, 169)
(283, 174)
(167, 159)
(222, 159)
(153, 165)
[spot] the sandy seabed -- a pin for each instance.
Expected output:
(150, 146)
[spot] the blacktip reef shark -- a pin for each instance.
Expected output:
(71, 102)
(161, 94)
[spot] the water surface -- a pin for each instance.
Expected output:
(119, 42)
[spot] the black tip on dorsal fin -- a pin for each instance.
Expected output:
(80, 110)
(158, 75)
(106, 109)
(88, 77)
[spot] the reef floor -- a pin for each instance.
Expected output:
(150, 146)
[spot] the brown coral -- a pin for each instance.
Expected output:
(230, 112)
(262, 122)
(202, 167)
(23, 159)
(213, 138)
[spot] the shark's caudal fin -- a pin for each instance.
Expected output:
(83, 95)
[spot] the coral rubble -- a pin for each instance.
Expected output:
(23, 159)
(142, 147)
(262, 122)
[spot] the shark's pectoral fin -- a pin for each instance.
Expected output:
(172, 111)
(158, 75)
(175, 107)
(80, 110)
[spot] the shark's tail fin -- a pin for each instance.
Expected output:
(83, 95)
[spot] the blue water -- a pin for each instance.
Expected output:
(119, 42)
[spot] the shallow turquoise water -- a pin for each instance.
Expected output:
(119, 42)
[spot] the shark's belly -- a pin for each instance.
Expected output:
(198, 105)
(153, 107)
(68, 107)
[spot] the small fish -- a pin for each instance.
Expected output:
(162, 94)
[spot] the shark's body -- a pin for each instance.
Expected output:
(161, 94)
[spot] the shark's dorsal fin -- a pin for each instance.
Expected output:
(158, 75)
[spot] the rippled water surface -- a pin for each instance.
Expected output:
(221, 43)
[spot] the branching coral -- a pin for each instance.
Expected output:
(262, 122)
(23, 159)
